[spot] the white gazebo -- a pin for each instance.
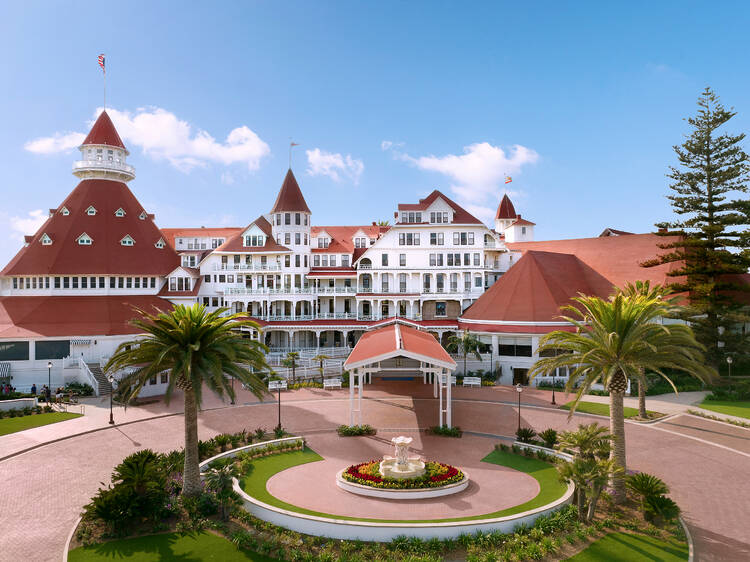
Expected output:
(399, 351)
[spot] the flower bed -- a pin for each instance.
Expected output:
(436, 475)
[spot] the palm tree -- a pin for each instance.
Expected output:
(195, 348)
(320, 358)
(587, 442)
(291, 363)
(645, 289)
(465, 343)
(616, 340)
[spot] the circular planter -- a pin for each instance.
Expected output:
(411, 494)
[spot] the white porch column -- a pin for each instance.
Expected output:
(440, 403)
(351, 396)
(359, 405)
(448, 398)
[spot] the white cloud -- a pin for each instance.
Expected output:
(59, 142)
(387, 145)
(163, 136)
(333, 165)
(478, 174)
(22, 226)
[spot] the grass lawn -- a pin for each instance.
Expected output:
(254, 483)
(626, 547)
(11, 425)
(169, 546)
(603, 409)
(739, 408)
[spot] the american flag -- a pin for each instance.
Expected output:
(508, 179)
(101, 63)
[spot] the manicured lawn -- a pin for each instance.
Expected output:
(11, 425)
(602, 409)
(730, 407)
(169, 546)
(254, 483)
(626, 547)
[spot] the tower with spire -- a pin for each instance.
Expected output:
(103, 154)
(291, 223)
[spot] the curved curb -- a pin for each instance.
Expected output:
(691, 548)
(70, 538)
(403, 494)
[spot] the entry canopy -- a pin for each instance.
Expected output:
(398, 340)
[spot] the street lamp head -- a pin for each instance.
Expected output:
(49, 364)
(729, 359)
(519, 388)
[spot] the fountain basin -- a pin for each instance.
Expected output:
(392, 468)
(402, 494)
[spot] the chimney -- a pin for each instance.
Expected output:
(663, 230)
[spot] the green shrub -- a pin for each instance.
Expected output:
(222, 440)
(80, 388)
(659, 509)
(549, 436)
(446, 431)
(260, 433)
(355, 430)
(646, 485)
(278, 432)
(525, 434)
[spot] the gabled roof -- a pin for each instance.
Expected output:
(236, 243)
(505, 209)
(618, 258)
(614, 232)
(23, 317)
(104, 132)
(106, 256)
(398, 340)
(342, 237)
(290, 196)
(535, 288)
(522, 222)
(460, 215)
(171, 234)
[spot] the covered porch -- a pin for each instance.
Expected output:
(400, 351)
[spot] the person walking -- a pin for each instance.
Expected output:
(33, 389)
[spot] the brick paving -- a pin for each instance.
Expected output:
(45, 489)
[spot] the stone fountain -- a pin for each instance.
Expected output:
(402, 465)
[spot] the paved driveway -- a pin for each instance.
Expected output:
(706, 464)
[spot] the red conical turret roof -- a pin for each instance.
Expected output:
(104, 132)
(505, 210)
(290, 196)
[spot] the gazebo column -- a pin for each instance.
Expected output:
(448, 398)
(359, 399)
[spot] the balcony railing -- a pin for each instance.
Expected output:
(104, 165)
(290, 291)
(247, 267)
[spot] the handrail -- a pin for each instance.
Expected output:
(84, 368)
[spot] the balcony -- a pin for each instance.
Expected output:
(290, 291)
(119, 170)
(247, 267)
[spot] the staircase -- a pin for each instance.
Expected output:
(102, 382)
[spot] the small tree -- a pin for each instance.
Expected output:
(219, 481)
(320, 358)
(291, 363)
(465, 344)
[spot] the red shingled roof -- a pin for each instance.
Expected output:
(536, 287)
(618, 258)
(342, 237)
(106, 256)
(522, 222)
(236, 243)
(394, 340)
(505, 209)
(290, 196)
(460, 215)
(22, 317)
(104, 132)
(170, 234)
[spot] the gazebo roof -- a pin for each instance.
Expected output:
(398, 340)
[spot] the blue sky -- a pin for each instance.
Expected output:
(579, 102)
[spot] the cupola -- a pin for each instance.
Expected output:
(103, 154)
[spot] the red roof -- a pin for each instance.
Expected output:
(236, 243)
(536, 287)
(394, 340)
(166, 293)
(290, 196)
(515, 328)
(332, 272)
(171, 234)
(342, 237)
(104, 132)
(522, 222)
(106, 256)
(618, 258)
(460, 215)
(505, 209)
(22, 317)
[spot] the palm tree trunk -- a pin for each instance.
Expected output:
(593, 500)
(581, 501)
(191, 478)
(642, 413)
(617, 430)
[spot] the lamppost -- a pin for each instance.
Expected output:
(553, 389)
(49, 381)
(232, 400)
(729, 364)
(279, 393)
(111, 380)
(519, 390)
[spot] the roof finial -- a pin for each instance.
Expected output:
(291, 145)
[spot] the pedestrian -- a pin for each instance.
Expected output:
(33, 389)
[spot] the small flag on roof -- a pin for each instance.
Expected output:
(508, 179)
(101, 63)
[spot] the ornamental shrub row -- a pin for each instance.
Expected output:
(355, 430)
(27, 411)
(445, 431)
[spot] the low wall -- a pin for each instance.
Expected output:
(17, 403)
(234, 452)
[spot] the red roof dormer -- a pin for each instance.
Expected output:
(104, 132)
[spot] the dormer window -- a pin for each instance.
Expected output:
(160, 243)
(323, 242)
(255, 240)
(143, 216)
(119, 212)
(91, 211)
(127, 241)
(84, 240)
(64, 211)
(46, 240)
(360, 242)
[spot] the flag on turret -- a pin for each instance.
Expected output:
(101, 63)
(508, 179)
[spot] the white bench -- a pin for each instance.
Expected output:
(277, 385)
(332, 383)
(472, 381)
